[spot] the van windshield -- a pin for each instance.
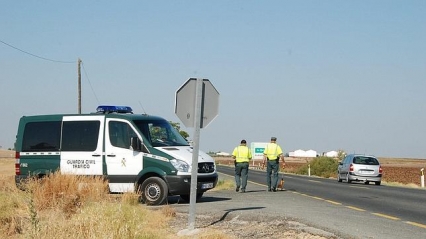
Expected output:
(160, 133)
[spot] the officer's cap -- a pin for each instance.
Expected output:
(273, 138)
(243, 141)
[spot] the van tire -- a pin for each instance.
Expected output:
(187, 198)
(154, 191)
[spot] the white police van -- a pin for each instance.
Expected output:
(134, 152)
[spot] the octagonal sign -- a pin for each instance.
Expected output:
(185, 103)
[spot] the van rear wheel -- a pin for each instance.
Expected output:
(154, 191)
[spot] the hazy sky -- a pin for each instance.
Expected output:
(321, 75)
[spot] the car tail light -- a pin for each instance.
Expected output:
(380, 169)
(17, 166)
(351, 168)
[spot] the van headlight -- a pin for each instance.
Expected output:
(180, 165)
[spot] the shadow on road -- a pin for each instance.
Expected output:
(204, 199)
(233, 210)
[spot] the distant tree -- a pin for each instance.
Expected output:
(176, 125)
(211, 153)
(341, 154)
(320, 166)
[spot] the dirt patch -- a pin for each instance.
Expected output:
(404, 175)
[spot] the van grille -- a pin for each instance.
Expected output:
(205, 167)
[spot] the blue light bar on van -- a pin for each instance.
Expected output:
(104, 109)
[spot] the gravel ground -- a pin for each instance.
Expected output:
(240, 227)
(231, 214)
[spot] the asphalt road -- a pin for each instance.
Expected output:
(406, 204)
(343, 210)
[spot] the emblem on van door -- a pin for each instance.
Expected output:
(123, 162)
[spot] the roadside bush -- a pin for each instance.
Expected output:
(322, 166)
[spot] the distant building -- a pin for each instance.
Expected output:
(331, 154)
(303, 154)
(311, 153)
(223, 154)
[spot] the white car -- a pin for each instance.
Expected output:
(357, 167)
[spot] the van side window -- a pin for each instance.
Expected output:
(120, 134)
(80, 135)
(41, 136)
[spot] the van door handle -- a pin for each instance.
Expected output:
(96, 155)
(111, 155)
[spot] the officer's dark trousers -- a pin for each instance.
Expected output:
(241, 175)
(272, 174)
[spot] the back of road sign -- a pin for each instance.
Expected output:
(185, 103)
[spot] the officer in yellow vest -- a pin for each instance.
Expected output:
(272, 155)
(242, 156)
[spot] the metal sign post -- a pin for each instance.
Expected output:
(194, 169)
(196, 105)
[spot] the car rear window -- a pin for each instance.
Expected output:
(366, 160)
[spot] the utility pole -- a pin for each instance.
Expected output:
(79, 84)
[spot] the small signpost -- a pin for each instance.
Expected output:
(257, 149)
(196, 105)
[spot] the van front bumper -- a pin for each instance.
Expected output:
(181, 184)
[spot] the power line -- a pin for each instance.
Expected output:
(84, 69)
(43, 58)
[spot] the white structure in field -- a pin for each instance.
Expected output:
(223, 154)
(332, 154)
(303, 154)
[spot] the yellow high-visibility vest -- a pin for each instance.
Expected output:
(272, 151)
(242, 154)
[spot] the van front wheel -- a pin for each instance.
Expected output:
(153, 191)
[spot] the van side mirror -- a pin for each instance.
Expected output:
(137, 145)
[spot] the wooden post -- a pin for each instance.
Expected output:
(79, 85)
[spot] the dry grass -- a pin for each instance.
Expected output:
(7, 167)
(65, 206)
(61, 206)
(224, 185)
